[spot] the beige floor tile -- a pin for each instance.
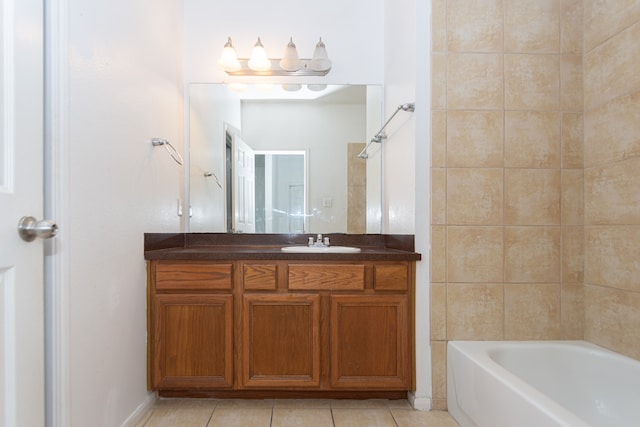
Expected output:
(247, 417)
(296, 417)
(399, 404)
(179, 417)
(186, 403)
(411, 418)
(359, 404)
(303, 403)
(144, 419)
(291, 413)
(363, 418)
(245, 403)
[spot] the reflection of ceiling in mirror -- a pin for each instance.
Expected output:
(333, 93)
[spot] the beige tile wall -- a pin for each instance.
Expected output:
(507, 173)
(612, 174)
(356, 189)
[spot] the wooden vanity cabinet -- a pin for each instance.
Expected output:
(191, 325)
(282, 325)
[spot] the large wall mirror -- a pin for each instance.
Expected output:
(284, 158)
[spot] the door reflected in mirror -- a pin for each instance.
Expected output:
(280, 197)
(289, 160)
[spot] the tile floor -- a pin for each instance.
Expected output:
(291, 413)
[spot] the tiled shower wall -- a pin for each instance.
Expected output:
(507, 173)
(535, 234)
(356, 189)
(612, 174)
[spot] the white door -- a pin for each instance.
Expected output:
(244, 197)
(21, 194)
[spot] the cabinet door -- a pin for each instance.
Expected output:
(281, 341)
(369, 342)
(192, 342)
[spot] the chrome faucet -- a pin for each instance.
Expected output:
(319, 242)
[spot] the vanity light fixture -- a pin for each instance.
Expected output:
(261, 65)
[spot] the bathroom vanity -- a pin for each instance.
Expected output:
(235, 316)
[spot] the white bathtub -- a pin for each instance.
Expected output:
(541, 384)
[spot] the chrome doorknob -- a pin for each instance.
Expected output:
(29, 228)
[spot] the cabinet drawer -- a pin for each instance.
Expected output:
(326, 277)
(390, 277)
(260, 277)
(193, 276)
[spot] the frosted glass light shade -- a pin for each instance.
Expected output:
(229, 60)
(259, 60)
(320, 60)
(317, 87)
(292, 87)
(291, 60)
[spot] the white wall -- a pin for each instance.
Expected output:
(406, 157)
(400, 88)
(122, 86)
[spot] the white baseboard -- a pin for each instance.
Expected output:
(419, 403)
(141, 411)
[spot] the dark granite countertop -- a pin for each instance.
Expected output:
(224, 246)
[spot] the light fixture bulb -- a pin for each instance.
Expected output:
(259, 60)
(320, 60)
(291, 60)
(229, 60)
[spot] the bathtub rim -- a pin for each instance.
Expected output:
(478, 353)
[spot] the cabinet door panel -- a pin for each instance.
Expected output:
(281, 341)
(369, 342)
(193, 341)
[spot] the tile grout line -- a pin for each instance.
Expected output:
(393, 417)
(271, 419)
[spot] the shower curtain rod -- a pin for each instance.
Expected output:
(410, 106)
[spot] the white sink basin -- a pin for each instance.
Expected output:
(321, 249)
